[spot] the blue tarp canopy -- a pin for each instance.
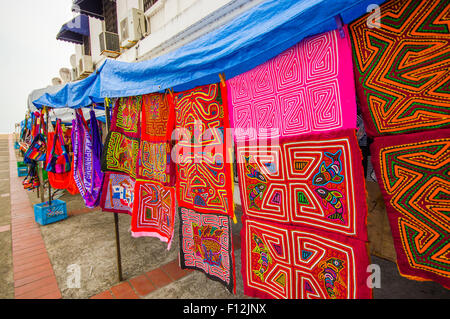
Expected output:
(72, 95)
(247, 41)
(74, 30)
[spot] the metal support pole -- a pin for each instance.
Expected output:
(116, 217)
(48, 181)
(40, 174)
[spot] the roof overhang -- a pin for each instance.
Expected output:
(74, 30)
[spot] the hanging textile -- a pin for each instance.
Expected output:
(61, 180)
(206, 245)
(31, 181)
(117, 194)
(26, 136)
(402, 67)
(304, 196)
(413, 172)
(155, 147)
(287, 262)
(58, 160)
(307, 88)
(154, 162)
(87, 154)
(314, 181)
(300, 175)
(38, 148)
(157, 118)
(126, 116)
(122, 142)
(204, 172)
(154, 209)
(120, 156)
(204, 183)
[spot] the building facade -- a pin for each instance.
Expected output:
(137, 30)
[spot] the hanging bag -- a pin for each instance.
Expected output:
(26, 138)
(38, 148)
(59, 163)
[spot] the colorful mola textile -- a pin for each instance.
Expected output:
(121, 154)
(157, 118)
(122, 143)
(126, 116)
(304, 234)
(413, 171)
(289, 262)
(117, 193)
(315, 181)
(153, 211)
(308, 88)
(402, 67)
(206, 245)
(155, 162)
(204, 172)
(87, 150)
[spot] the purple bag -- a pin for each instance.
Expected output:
(87, 152)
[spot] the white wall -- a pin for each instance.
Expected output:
(177, 22)
(95, 28)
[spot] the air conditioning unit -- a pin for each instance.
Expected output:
(84, 66)
(109, 44)
(132, 28)
(74, 74)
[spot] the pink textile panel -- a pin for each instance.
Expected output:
(307, 88)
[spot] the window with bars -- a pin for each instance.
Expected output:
(148, 4)
(110, 15)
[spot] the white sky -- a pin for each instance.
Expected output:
(30, 55)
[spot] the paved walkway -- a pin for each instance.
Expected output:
(33, 272)
(34, 277)
(140, 286)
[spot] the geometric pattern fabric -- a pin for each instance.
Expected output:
(402, 67)
(414, 177)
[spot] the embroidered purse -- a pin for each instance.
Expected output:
(59, 163)
(38, 148)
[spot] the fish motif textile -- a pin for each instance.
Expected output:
(307, 88)
(413, 171)
(291, 262)
(204, 171)
(304, 233)
(206, 245)
(402, 67)
(154, 211)
(315, 181)
(117, 193)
